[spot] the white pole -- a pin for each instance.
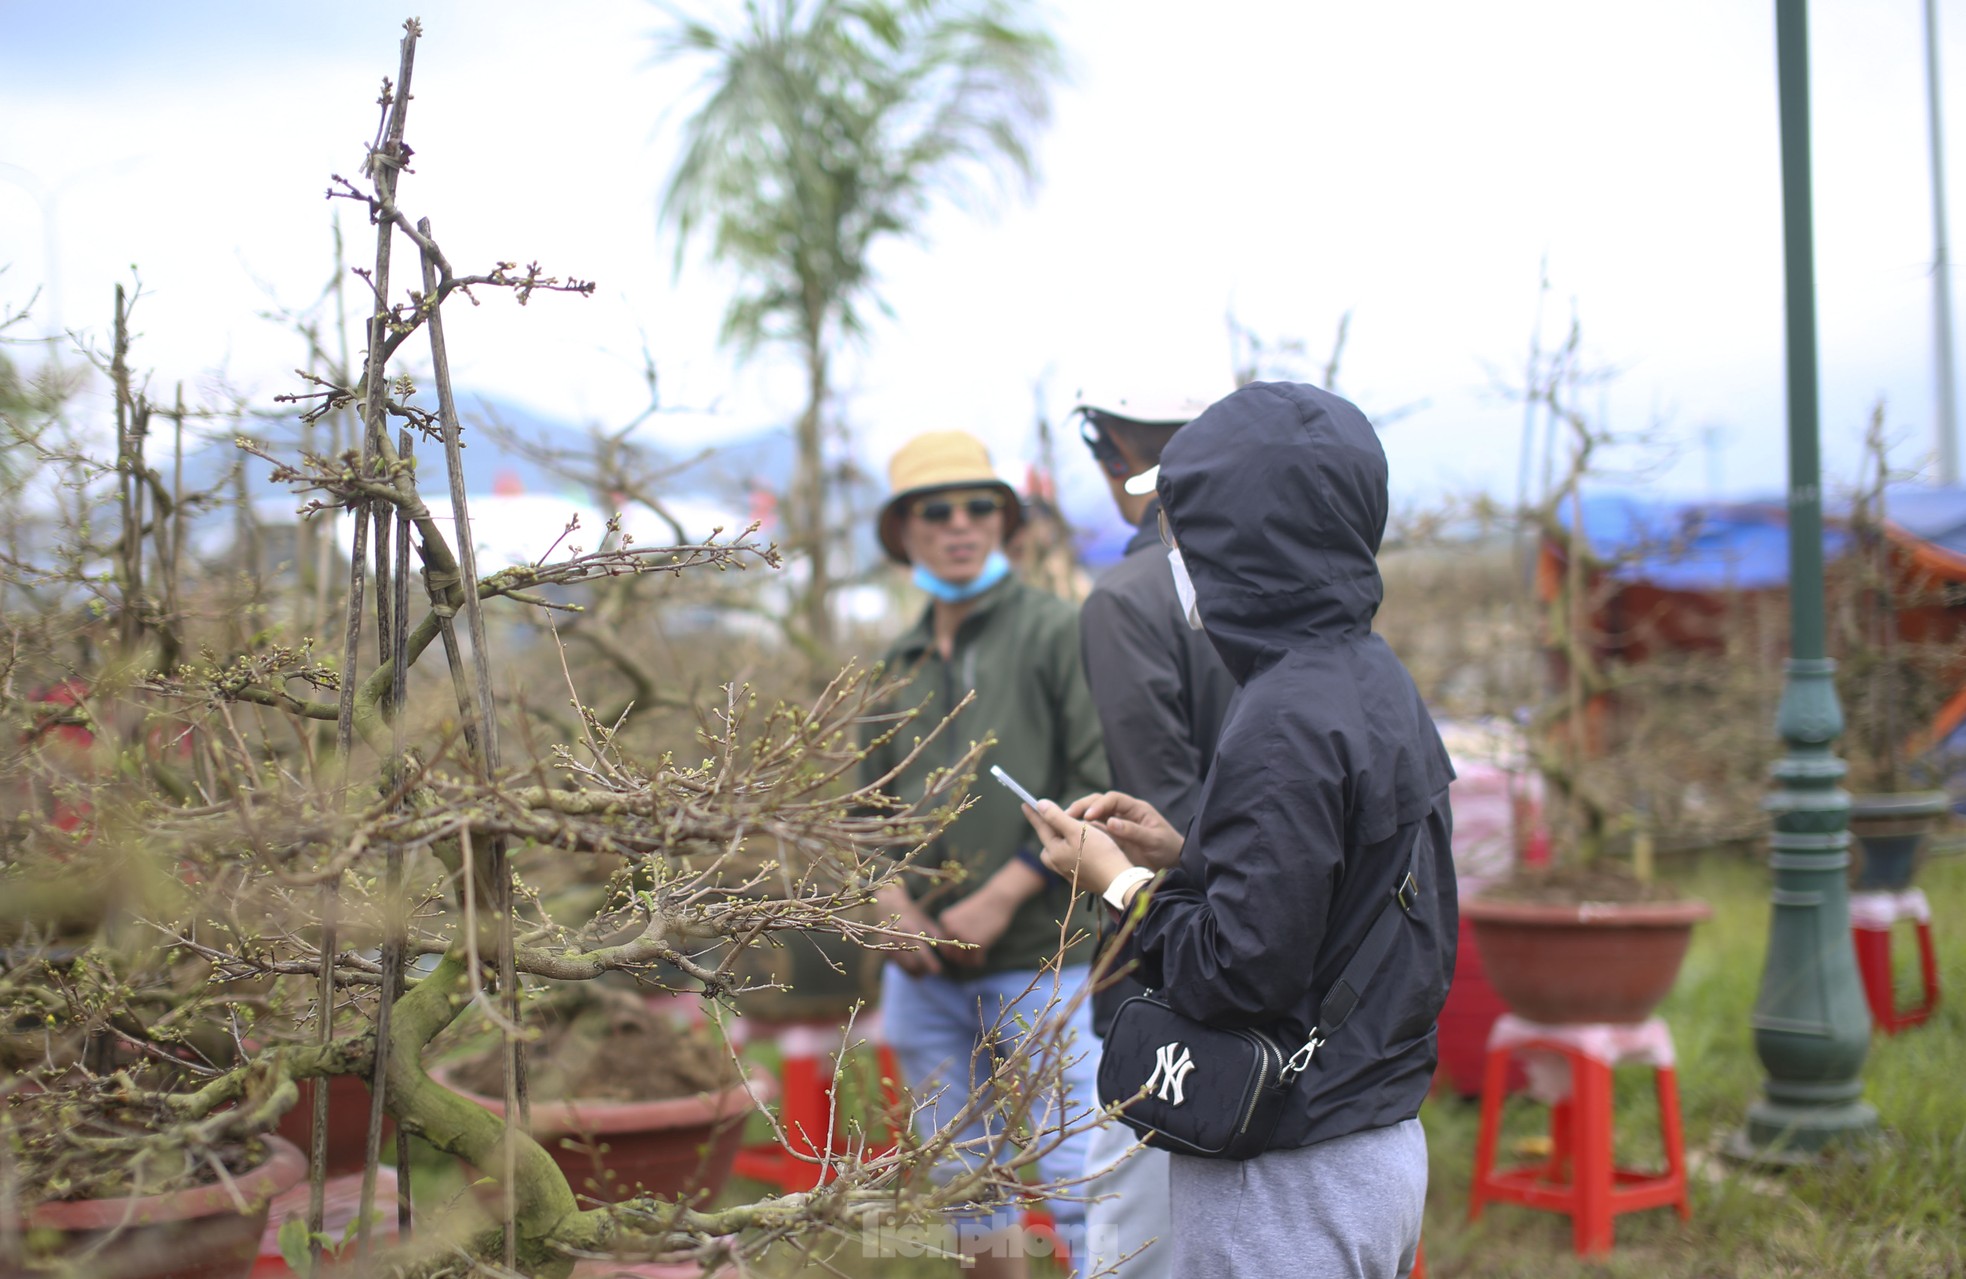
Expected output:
(1941, 263)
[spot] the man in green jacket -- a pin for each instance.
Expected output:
(1017, 649)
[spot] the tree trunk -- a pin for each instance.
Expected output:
(808, 524)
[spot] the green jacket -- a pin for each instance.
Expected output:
(1019, 650)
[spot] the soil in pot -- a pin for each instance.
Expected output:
(1568, 885)
(627, 1100)
(210, 1230)
(1582, 944)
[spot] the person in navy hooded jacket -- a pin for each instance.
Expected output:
(1328, 778)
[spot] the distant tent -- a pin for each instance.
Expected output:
(1673, 567)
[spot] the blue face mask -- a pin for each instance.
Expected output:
(995, 569)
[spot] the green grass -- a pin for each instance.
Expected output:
(1900, 1213)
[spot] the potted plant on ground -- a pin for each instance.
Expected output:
(628, 1100)
(353, 837)
(1581, 939)
(207, 1228)
(1895, 674)
(89, 1190)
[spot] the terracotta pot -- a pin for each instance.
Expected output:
(616, 1150)
(1888, 833)
(1557, 963)
(342, 1201)
(198, 1233)
(348, 1123)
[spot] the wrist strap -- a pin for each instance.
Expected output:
(1115, 893)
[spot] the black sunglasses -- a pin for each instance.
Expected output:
(940, 510)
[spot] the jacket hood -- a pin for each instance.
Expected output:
(1277, 496)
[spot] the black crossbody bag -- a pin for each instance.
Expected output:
(1198, 1090)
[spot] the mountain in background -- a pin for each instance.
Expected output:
(735, 462)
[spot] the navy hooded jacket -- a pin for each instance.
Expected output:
(1329, 770)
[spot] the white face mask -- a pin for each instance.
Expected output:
(1184, 587)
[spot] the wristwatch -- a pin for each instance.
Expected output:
(1123, 883)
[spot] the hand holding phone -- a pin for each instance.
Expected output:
(1010, 784)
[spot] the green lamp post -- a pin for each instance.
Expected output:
(1811, 1026)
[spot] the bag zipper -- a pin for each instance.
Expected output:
(1267, 1049)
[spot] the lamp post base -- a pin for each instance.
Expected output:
(1789, 1136)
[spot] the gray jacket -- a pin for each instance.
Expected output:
(1161, 690)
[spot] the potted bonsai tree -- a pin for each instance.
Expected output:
(670, 1128)
(1895, 673)
(1581, 939)
(333, 862)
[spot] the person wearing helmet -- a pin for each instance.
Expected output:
(1016, 649)
(1327, 800)
(1162, 692)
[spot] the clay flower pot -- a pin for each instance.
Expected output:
(348, 1123)
(196, 1233)
(1559, 963)
(616, 1150)
(1887, 834)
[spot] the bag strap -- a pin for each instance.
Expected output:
(1343, 996)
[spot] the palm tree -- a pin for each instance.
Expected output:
(827, 126)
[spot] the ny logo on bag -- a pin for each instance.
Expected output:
(1172, 1063)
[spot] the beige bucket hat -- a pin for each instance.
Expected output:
(939, 460)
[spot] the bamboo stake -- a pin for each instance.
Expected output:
(309, 579)
(517, 1103)
(385, 161)
(10, 1215)
(397, 654)
(130, 495)
(170, 570)
(337, 437)
(386, 518)
(393, 983)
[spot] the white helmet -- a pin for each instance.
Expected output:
(1144, 403)
(1150, 405)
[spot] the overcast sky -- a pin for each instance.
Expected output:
(1412, 163)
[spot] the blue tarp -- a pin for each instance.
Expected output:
(1711, 546)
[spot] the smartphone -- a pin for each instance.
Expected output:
(1010, 784)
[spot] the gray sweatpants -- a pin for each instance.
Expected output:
(1129, 1215)
(1348, 1208)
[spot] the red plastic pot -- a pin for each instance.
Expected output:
(616, 1150)
(1559, 963)
(348, 1123)
(198, 1233)
(1466, 1018)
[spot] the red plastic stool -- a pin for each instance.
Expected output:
(809, 1109)
(1872, 918)
(1570, 1067)
(1038, 1224)
(808, 1106)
